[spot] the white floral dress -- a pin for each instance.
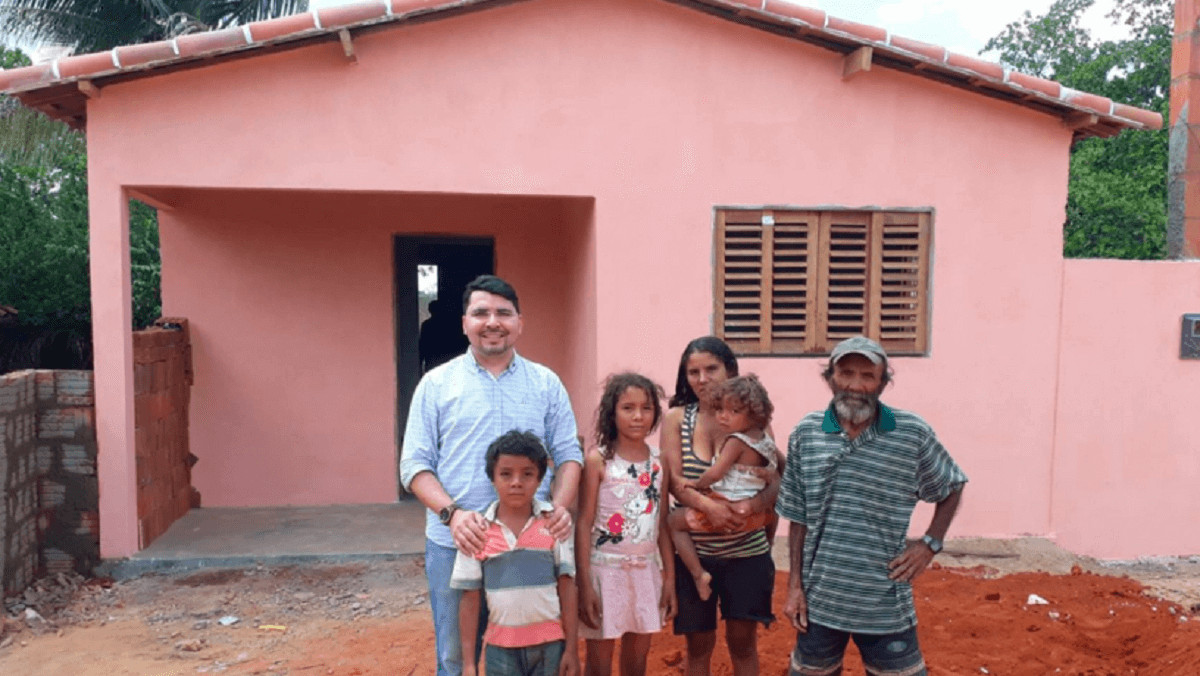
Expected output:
(626, 567)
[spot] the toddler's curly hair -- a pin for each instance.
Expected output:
(748, 391)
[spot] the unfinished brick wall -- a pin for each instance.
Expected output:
(162, 389)
(18, 481)
(68, 523)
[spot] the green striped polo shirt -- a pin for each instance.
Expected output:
(856, 498)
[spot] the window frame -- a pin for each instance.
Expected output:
(893, 246)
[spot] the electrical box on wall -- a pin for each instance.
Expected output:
(1189, 342)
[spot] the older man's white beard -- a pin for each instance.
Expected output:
(854, 409)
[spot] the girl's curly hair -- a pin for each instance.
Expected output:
(606, 413)
(749, 392)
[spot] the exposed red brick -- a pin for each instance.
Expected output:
(1151, 119)
(809, 15)
(859, 29)
(286, 25)
(1048, 87)
(984, 68)
(1186, 14)
(145, 53)
(346, 15)
(19, 77)
(202, 43)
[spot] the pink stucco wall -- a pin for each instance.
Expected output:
(642, 116)
(1127, 455)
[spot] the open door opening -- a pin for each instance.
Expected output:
(431, 273)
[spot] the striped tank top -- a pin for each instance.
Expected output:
(719, 545)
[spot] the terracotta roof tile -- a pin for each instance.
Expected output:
(285, 25)
(346, 15)
(1147, 117)
(197, 44)
(984, 68)
(134, 55)
(809, 15)
(1048, 87)
(84, 64)
(924, 49)
(861, 30)
(1086, 100)
(29, 75)
(913, 56)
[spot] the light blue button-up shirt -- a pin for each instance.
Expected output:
(459, 408)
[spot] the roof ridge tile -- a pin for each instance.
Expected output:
(369, 12)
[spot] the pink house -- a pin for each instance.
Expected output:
(644, 172)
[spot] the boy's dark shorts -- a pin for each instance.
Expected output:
(742, 587)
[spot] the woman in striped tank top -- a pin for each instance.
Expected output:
(743, 575)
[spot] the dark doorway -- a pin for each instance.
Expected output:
(431, 270)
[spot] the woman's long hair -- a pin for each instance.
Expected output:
(684, 394)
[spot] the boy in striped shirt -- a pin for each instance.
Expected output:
(526, 574)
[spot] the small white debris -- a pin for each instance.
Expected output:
(1035, 600)
(1053, 614)
(32, 616)
(983, 670)
(228, 620)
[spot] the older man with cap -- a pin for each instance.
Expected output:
(854, 473)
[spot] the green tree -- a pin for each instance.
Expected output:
(97, 25)
(28, 138)
(1117, 195)
(44, 247)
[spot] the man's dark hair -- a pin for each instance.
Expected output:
(491, 284)
(684, 394)
(516, 442)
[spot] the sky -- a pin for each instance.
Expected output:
(962, 26)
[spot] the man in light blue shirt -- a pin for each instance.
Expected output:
(457, 410)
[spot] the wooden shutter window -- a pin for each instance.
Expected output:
(740, 279)
(798, 282)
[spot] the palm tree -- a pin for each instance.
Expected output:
(98, 25)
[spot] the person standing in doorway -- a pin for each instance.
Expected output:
(458, 409)
(854, 473)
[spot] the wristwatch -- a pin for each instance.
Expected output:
(446, 513)
(934, 544)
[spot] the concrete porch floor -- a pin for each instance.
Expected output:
(232, 537)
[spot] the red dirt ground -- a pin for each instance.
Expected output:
(356, 620)
(1093, 625)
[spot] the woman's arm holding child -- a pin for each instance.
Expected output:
(732, 450)
(589, 602)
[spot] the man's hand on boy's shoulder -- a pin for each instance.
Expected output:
(469, 530)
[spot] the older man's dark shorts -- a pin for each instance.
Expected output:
(742, 588)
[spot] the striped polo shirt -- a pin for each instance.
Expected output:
(519, 575)
(856, 496)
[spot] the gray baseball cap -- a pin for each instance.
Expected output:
(859, 345)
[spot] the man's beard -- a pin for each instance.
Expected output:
(854, 408)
